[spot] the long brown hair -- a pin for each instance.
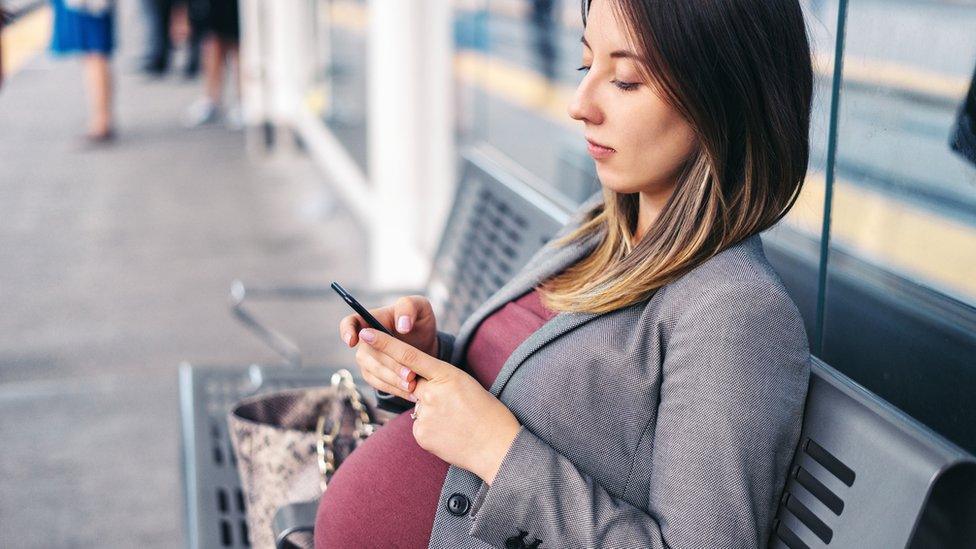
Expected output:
(739, 71)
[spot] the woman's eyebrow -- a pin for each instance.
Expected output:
(615, 54)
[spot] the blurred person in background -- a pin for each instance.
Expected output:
(218, 23)
(158, 46)
(963, 138)
(3, 19)
(169, 24)
(186, 31)
(86, 27)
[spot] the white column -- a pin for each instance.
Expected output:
(252, 63)
(410, 136)
(276, 64)
(291, 57)
(440, 99)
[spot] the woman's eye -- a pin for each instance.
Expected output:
(626, 86)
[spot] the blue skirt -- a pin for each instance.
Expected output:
(78, 32)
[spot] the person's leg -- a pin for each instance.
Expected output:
(235, 117)
(158, 60)
(232, 37)
(234, 64)
(207, 109)
(151, 17)
(215, 52)
(98, 78)
(193, 45)
(166, 13)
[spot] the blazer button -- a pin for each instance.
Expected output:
(458, 504)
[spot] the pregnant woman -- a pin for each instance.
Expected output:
(640, 382)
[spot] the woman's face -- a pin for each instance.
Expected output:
(649, 141)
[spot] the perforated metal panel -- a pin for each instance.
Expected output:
(496, 224)
(863, 473)
(214, 502)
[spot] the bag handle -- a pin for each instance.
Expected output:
(343, 382)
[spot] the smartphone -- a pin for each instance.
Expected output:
(384, 400)
(356, 306)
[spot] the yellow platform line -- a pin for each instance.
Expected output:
(24, 39)
(911, 241)
(886, 74)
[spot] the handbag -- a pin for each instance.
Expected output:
(289, 443)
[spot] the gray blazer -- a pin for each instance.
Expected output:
(668, 423)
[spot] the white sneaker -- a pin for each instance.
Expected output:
(201, 112)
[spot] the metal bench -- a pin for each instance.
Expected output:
(866, 475)
(496, 224)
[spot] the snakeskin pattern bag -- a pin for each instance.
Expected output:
(289, 443)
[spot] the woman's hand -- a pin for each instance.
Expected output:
(410, 316)
(457, 419)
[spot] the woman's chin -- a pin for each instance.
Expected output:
(612, 183)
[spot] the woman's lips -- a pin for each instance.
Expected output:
(598, 152)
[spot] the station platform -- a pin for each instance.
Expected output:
(115, 266)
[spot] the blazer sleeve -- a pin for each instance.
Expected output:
(445, 347)
(733, 384)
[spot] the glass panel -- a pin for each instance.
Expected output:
(470, 47)
(793, 245)
(899, 310)
(338, 94)
(516, 64)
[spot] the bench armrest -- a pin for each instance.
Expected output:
(291, 519)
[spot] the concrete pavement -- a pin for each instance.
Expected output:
(115, 265)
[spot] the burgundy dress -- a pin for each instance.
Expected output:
(385, 494)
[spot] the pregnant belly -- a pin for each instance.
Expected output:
(384, 494)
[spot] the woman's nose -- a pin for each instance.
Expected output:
(583, 106)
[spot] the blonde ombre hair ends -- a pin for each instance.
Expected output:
(739, 71)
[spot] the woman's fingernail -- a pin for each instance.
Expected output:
(403, 324)
(411, 398)
(367, 335)
(404, 372)
(404, 385)
(347, 337)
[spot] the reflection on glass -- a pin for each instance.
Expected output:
(903, 200)
(899, 312)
